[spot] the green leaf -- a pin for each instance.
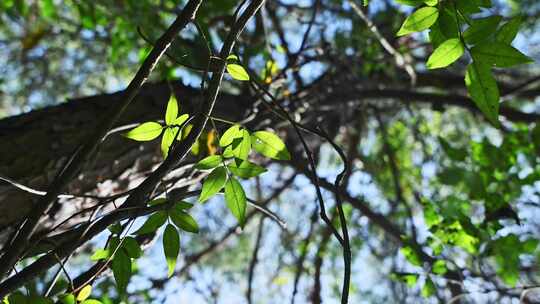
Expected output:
(508, 32)
(246, 169)
(67, 298)
(92, 301)
(100, 254)
(181, 205)
(228, 152)
(431, 2)
(409, 278)
(180, 120)
(145, 132)
(229, 135)
(484, 3)
(115, 228)
(47, 9)
(209, 162)
(420, 20)
(448, 23)
(213, 183)
(84, 293)
(410, 2)
(171, 247)
(114, 244)
(121, 267)
(18, 298)
(411, 256)
(38, 300)
(153, 223)
(157, 201)
(270, 145)
(237, 72)
(467, 7)
(499, 54)
(132, 248)
(454, 153)
(448, 52)
(235, 198)
(439, 267)
(184, 221)
(172, 110)
(483, 90)
(481, 29)
(428, 289)
(436, 36)
(451, 176)
(241, 151)
(168, 138)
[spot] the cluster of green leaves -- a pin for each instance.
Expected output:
(454, 29)
(82, 297)
(173, 125)
(122, 251)
(478, 183)
(486, 175)
(237, 144)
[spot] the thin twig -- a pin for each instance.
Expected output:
(400, 60)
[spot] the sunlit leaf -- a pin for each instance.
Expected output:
(145, 132)
(92, 301)
(209, 162)
(172, 110)
(237, 72)
(428, 289)
(241, 151)
(67, 298)
(229, 135)
(411, 2)
(420, 20)
(213, 183)
(408, 278)
(448, 52)
(411, 255)
(100, 254)
(84, 293)
(270, 145)
(439, 267)
(168, 138)
(180, 120)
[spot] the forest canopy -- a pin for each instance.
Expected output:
(278, 151)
